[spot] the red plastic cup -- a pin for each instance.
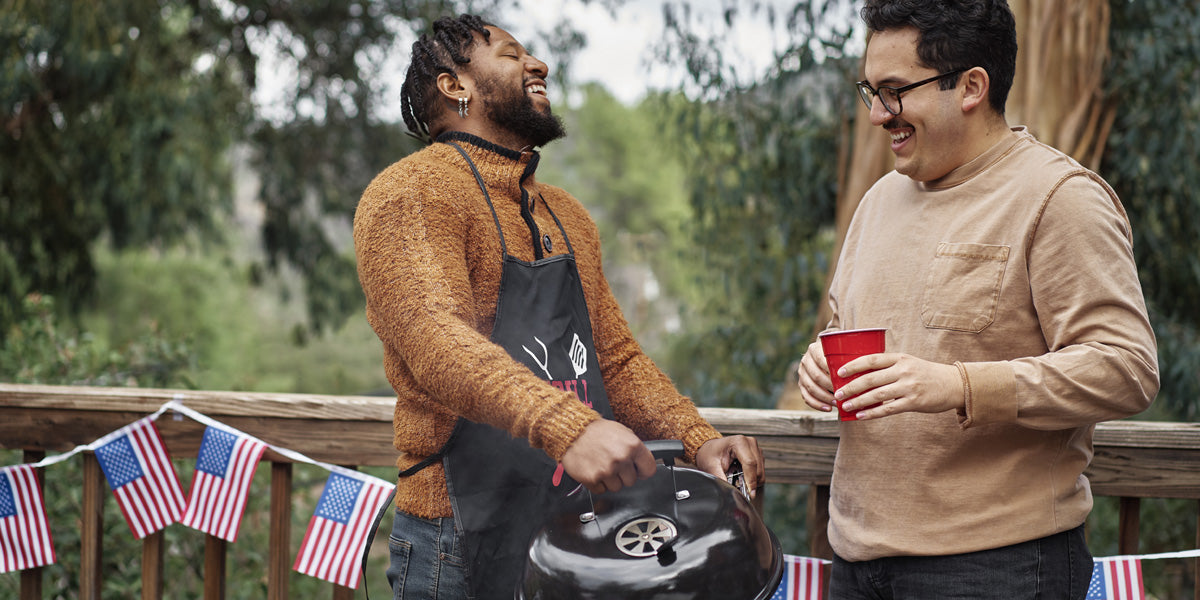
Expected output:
(841, 347)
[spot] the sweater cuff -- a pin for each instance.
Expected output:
(989, 391)
(695, 437)
(566, 424)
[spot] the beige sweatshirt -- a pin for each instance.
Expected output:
(429, 261)
(1019, 266)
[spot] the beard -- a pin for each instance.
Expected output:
(515, 113)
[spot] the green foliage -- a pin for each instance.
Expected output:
(1150, 160)
(112, 130)
(120, 123)
(244, 333)
(615, 163)
(763, 165)
(39, 349)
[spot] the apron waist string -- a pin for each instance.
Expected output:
(432, 458)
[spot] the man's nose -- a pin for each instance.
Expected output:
(879, 115)
(537, 67)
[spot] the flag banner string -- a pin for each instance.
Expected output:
(138, 470)
(57, 458)
(177, 406)
(340, 500)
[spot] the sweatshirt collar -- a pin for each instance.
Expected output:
(495, 162)
(979, 164)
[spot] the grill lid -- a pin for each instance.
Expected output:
(680, 534)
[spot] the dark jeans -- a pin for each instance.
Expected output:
(427, 561)
(1058, 567)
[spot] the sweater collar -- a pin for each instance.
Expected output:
(496, 163)
(979, 164)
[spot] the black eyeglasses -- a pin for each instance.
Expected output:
(890, 96)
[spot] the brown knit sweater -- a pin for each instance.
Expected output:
(429, 260)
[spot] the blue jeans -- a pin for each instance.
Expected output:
(1057, 567)
(427, 559)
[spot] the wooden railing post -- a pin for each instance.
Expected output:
(281, 529)
(31, 579)
(152, 566)
(214, 567)
(91, 535)
(818, 522)
(1130, 523)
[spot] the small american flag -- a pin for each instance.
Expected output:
(802, 579)
(338, 531)
(224, 468)
(24, 532)
(138, 469)
(1116, 578)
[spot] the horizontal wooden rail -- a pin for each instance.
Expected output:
(1133, 459)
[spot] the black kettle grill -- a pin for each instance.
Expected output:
(681, 534)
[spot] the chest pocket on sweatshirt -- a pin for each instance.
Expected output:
(963, 287)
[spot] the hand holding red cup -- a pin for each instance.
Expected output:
(841, 347)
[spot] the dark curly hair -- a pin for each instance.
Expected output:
(441, 51)
(956, 34)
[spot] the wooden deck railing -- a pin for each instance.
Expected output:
(1133, 460)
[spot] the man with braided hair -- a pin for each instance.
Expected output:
(1004, 273)
(517, 379)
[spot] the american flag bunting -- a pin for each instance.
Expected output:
(803, 579)
(333, 545)
(24, 531)
(138, 469)
(1116, 578)
(225, 467)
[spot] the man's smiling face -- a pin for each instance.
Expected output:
(512, 89)
(928, 134)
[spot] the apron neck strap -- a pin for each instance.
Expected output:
(566, 238)
(486, 196)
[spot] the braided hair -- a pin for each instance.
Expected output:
(433, 54)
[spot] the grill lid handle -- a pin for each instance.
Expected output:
(665, 450)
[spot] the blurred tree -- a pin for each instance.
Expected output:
(1151, 160)
(40, 349)
(114, 128)
(763, 160)
(613, 161)
(119, 119)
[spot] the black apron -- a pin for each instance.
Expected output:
(499, 486)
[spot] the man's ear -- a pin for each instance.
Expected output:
(976, 84)
(451, 88)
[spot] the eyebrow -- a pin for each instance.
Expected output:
(890, 81)
(506, 44)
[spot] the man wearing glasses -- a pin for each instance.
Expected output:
(1004, 274)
